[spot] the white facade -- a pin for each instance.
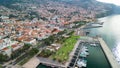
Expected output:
(6, 42)
(31, 42)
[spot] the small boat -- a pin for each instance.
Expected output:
(81, 63)
(85, 49)
(84, 53)
(93, 44)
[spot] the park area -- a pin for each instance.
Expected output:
(62, 55)
(67, 44)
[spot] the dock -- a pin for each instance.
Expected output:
(88, 27)
(113, 62)
(93, 25)
(100, 23)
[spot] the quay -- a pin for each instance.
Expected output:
(100, 23)
(72, 53)
(88, 27)
(113, 62)
(93, 25)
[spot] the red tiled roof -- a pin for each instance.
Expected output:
(55, 30)
(15, 45)
(5, 48)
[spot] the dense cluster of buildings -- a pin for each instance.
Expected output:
(27, 31)
(39, 21)
(14, 34)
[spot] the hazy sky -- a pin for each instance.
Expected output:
(117, 2)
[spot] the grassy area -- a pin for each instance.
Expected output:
(0, 66)
(63, 53)
(46, 53)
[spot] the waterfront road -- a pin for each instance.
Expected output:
(72, 53)
(113, 62)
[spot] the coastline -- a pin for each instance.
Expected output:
(109, 55)
(34, 62)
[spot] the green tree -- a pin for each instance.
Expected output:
(46, 53)
(0, 66)
(26, 47)
(33, 51)
(49, 40)
(3, 57)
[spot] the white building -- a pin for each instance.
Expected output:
(6, 43)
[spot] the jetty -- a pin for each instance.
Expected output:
(88, 27)
(113, 62)
(93, 25)
(100, 23)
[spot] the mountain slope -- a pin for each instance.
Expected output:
(48, 8)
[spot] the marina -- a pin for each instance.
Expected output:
(110, 34)
(85, 55)
(109, 55)
(97, 57)
(79, 56)
(88, 54)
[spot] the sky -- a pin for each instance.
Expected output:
(116, 2)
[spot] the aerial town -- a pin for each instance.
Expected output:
(48, 32)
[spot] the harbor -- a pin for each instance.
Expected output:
(89, 55)
(111, 58)
(79, 56)
(101, 53)
(110, 34)
(85, 55)
(87, 52)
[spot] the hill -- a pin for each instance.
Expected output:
(45, 9)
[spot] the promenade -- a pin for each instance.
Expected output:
(72, 53)
(33, 63)
(113, 62)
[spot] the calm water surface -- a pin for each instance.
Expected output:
(97, 59)
(110, 32)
